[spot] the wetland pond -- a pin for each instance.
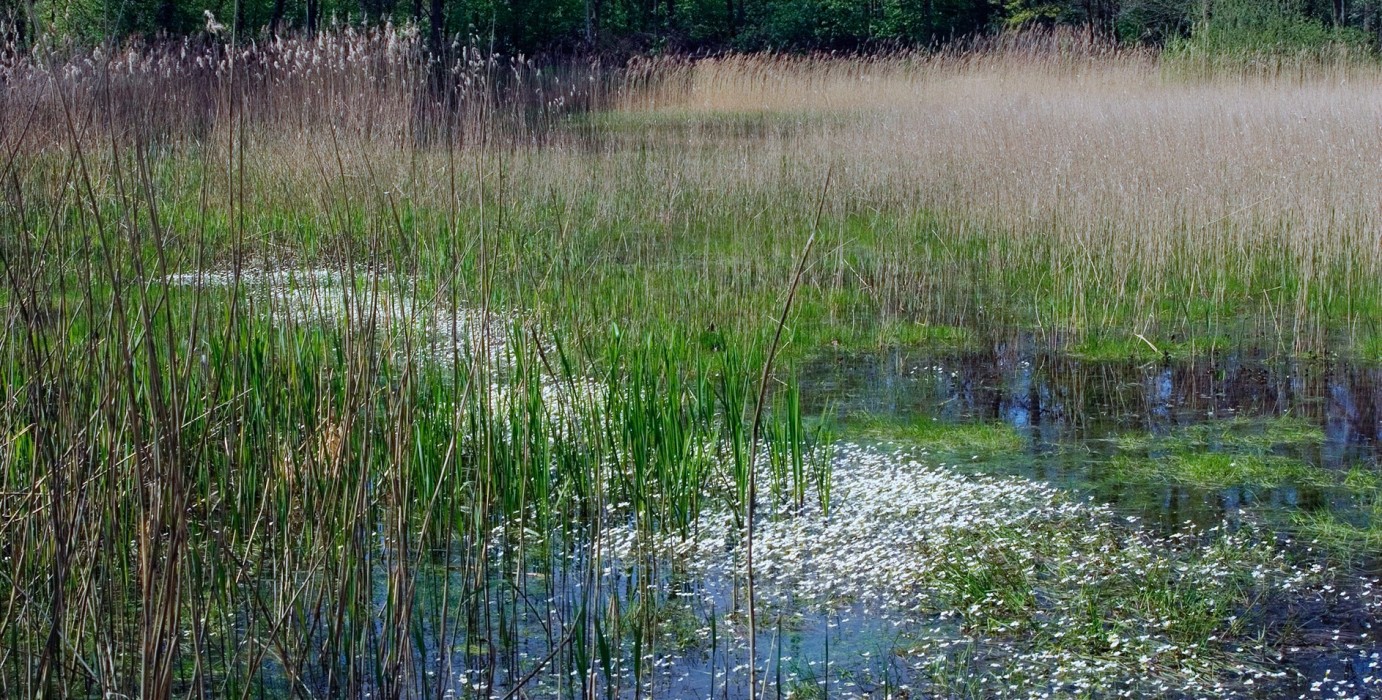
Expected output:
(999, 522)
(1159, 440)
(1234, 440)
(1018, 523)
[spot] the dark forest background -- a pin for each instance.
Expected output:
(622, 27)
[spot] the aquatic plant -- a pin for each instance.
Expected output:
(318, 381)
(1018, 588)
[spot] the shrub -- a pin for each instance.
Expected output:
(1266, 29)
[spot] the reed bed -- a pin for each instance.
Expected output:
(1137, 198)
(229, 493)
(1088, 194)
(333, 370)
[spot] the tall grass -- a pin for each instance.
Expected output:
(322, 373)
(1110, 191)
(227, 475)
(1045, 183)
(205, 501)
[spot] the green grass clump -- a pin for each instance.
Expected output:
(1236, 452)
(956, 440)
(1239, 435)
(1351, 533)
(1242, 453)
(926, 335)
(1102, 346)
(1219, 470)
(1350, 537)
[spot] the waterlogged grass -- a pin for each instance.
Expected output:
(1239, 435)
(1250, 455)
(926, 335)
(1353, 537)
(1368, 346)
(1007, 586)
(527, 458)
(329, 405)
(1102, 346)
(1215, 470)
(1107, 609)
(1255, 455)
(1352, 533)
(1345, 523)
(969, 441)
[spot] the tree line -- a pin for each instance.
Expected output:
(689, 26)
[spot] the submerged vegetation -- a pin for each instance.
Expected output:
(332, 372)
(1035, 593)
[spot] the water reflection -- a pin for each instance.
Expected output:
(1053, 397)
(1070, 410)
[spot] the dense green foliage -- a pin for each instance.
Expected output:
(700, 25)
(1239, 27)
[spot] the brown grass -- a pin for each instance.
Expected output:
(1131, 172)
(1100, 173)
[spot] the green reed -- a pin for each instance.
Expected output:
(237, 482)
(233, 487)
(201, 501)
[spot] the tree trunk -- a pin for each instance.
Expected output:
(589, 24)
(436, 30)
(1375, 13)
(594, 9)
(30, 23)
(276, 19)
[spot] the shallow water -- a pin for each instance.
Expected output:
(1073, 416)
(1070, 412)
(852, 598)
(836, 595)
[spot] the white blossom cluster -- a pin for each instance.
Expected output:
(1011, 586)
(406, 323)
